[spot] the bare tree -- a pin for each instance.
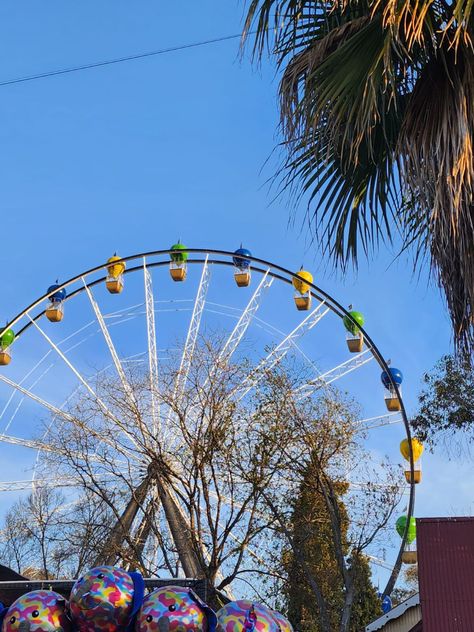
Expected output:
(176, 501)
(32, 532)
(15, 548)
(204, 487)
(320, 434)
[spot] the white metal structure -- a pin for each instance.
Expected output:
(163, 320)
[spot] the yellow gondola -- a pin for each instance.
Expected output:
(301, 283)
(114, 280)
(417, 448)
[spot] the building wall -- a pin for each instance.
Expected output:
(404, 623)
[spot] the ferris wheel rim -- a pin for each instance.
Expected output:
(275, 271)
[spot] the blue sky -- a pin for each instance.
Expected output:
(130, 157)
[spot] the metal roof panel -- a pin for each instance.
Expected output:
(446, 573)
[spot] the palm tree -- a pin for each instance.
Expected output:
(377, 113)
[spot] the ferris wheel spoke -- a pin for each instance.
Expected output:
(43, 446)
(51, 407)
(36, 366)
(242, 325)
(58, 413)
(12, 394)
(280, 351)
(246, 318)
(22, 399)
(192, 335)
(374, 487)
(152, 349)
(380, 421)
(113, 352)
(39, 483)
(87, 386)
(31, 444)
(336, 373)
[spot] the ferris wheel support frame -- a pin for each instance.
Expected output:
(152, 350)
(275, 271)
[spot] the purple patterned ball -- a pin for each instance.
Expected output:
(102, 600)
(245, 616)
(171, 609)
(37, 611)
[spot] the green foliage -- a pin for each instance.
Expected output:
(313, 534)
(366, 606)
(446, 404)
(376, 102)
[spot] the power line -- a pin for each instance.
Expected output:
(118, 60)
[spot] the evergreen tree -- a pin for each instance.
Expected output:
(313, 535)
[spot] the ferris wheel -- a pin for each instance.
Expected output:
(80, 352)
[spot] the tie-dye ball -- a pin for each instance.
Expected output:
(245, 616)
(102, 600)
(37, 611)
(172, 609)
(283, 624)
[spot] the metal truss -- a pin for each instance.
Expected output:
(17, 486)
(116, 360)
(152, 349)
(380, 421)
(246, 318)
(47, 447)
(242, 325)
(305, 390)
(86, 385)
(277, 355)
(39, 400)
(193, 332)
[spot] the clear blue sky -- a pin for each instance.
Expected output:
(130, 157)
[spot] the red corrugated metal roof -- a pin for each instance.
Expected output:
(446, 573)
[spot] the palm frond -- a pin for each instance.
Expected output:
(436, 145)
(377, 103)
(458, 29)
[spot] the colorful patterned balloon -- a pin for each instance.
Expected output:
(102, 600)
(37, 611)
(174, 609)
(245, 616)
(283, 624)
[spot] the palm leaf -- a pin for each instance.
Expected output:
(377, 104)
(436, 145)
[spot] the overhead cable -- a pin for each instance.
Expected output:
(117, 60)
